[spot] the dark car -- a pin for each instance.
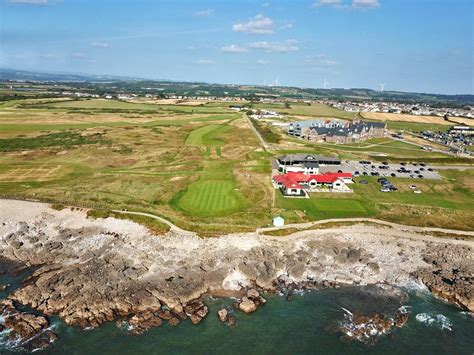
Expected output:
(415, 164)
(429, 169)
(385, 163)
(365, 173)
(364, 182)
(339, 171)
(416, 171)
(393, 188)
(422, 164)
(393, 175)
(422, 169)
(403, 164)
(420, 176)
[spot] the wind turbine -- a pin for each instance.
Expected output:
(276, 81)
(325, 83)
(382, 86)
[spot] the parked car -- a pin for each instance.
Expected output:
(381, 179)
(385, 189)
(429, 169)
(422, 164)
(393, 175)
(365, 173)
(420, 176)
(393, 188)
(339, 171)
(385, 163)
(417, 191)
(403, 164)
(413, 187)
(356, 174)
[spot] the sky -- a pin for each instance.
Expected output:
(407, 45)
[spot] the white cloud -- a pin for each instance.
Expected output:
(31, 2)
(100, 44)
(204, 13)
(286, 26)
(262, 62)
(280, 47)
(355, 4)
(266, 4)
(365, 3)
(320, 60)
(258, 25)
(334, 3)
(48, 56)
(204, 62)
(233, 48)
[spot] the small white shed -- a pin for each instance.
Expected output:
(278, 221)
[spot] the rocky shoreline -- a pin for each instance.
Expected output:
(93, 271)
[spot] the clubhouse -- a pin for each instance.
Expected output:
(304, 163)
(299, 184)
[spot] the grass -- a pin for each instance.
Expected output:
(313, 110)
(211, 198)
(149, 162)
(267, 134)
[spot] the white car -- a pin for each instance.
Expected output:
(413, 187)
(385, 189)
(417, 191)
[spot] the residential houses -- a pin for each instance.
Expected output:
(336, 131)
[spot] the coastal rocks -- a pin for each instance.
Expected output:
(247, 305)
(251, 302)
(25, 331)
(368, 328)
(141, 322)
(449, 275)
(196, 310)
(222, 314)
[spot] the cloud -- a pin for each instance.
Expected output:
(333, 3)
(233, 48)
(262, 62)
(258, 25)
(100, 44)
(365, 3)
(266, 4)
(32, 2)
(204, 13)
(204, 62)
(279, 47)
(320, 60)
(48, 56)
(286, 26)
(355, 4)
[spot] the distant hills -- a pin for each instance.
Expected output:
(160, 87)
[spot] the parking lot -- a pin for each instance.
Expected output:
(399, 170)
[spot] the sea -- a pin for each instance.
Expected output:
(307, 324)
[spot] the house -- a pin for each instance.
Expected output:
(278, 221)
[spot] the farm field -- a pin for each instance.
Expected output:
(399, 117)
(313, 110)
(201, 167)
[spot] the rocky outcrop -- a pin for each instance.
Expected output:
(25, 331)
(369, 328)
(91, 271)
(449, 275)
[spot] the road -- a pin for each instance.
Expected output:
(264, 144)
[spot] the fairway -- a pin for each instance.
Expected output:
(210, 198)
(207, 136)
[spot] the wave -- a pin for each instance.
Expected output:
(438, 320)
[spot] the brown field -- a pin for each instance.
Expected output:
(412, 118)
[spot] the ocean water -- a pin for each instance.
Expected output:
(306, 325)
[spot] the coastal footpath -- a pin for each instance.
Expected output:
(90, 271)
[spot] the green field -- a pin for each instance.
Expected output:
(201, 167)
(211, 198)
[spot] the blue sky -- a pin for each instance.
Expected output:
(409, 45)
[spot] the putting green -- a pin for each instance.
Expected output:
(211, 198)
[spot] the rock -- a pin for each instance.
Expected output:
(374, 267)
(247, 306)
(174, 321)
(33, 331)
(166, 315)
(141, 322)
(222, 314)
(252, 293)
(231, 320)
(195, 319)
